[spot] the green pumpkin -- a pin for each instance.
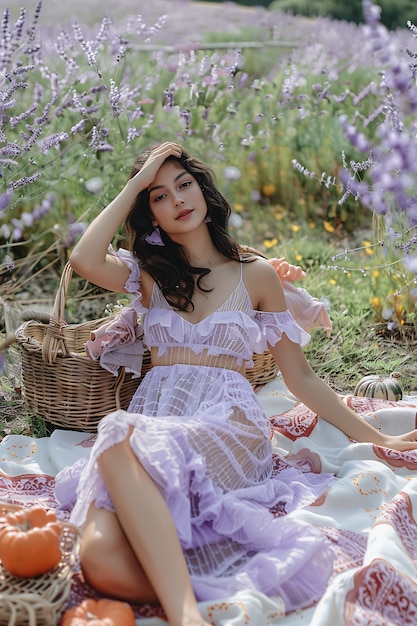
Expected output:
(376, 386)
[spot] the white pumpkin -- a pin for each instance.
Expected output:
(379, 386)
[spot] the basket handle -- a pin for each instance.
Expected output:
(118, 386)
(54, 340)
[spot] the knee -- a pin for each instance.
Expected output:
(115, 454)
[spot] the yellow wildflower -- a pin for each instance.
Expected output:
(295, 228)
(270, 243)
(298, 257)
(332, 281)
(278, 212)
(238, 207)
(375, 273)
(328, 227)
(368, 248)
(376, 302)
(268, 190)
(311, 225)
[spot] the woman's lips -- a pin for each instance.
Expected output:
(184, 214)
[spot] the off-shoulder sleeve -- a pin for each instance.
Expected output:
(273, 325)
(132, 285)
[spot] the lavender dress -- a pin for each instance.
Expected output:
(201, 434)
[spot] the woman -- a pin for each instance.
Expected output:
(176, 499)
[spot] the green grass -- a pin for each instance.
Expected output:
(360, 342)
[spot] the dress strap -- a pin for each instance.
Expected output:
(158, 300)
(239, 299)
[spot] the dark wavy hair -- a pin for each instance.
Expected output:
(168, 265)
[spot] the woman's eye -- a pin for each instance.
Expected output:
(186, 183)
(158, 198)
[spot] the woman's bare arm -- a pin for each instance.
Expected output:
(310, 389)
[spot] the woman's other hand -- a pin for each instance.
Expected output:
(287, 271)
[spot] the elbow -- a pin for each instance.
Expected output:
(293, 385)
(76, 262)
(80, 263)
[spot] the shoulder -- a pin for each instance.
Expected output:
(263, 285)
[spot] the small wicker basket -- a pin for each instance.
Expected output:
(70, 390)
(39, 601)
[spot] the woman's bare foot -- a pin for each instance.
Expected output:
(195, 620)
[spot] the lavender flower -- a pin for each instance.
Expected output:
(235, 220)
(76, 100)
(302, 169)
(5, 231)
(9, 263)
(53, 141)
(169, 96)
(75, 230)
(5, 199)
(79, 126)
(11, 150)
(15, 120)
(26, 180)
(114, 98)
(232, 173)
(94, 185)
(86, 46)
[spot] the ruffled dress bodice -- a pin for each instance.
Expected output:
(233, 330)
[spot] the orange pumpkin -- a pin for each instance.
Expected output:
(29, 542)
(101, 612)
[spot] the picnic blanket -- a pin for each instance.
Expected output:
(369, 513)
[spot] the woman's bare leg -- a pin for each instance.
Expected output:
(150, 530)
(108, 562)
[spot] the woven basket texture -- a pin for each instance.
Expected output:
(39, 601)
(61, 384)
(264, 369)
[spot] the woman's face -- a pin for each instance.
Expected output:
(176, 200)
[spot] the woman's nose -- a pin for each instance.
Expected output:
(178, 200)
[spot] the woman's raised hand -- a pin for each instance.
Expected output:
(152, 164)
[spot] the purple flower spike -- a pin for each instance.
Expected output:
(5, 199)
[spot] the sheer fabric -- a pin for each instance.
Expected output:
(201, 434)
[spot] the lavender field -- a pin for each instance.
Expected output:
(309, 125)
(276, 94)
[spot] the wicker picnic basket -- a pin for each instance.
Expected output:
(39, 601)
(67, 388)
(60, 382)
